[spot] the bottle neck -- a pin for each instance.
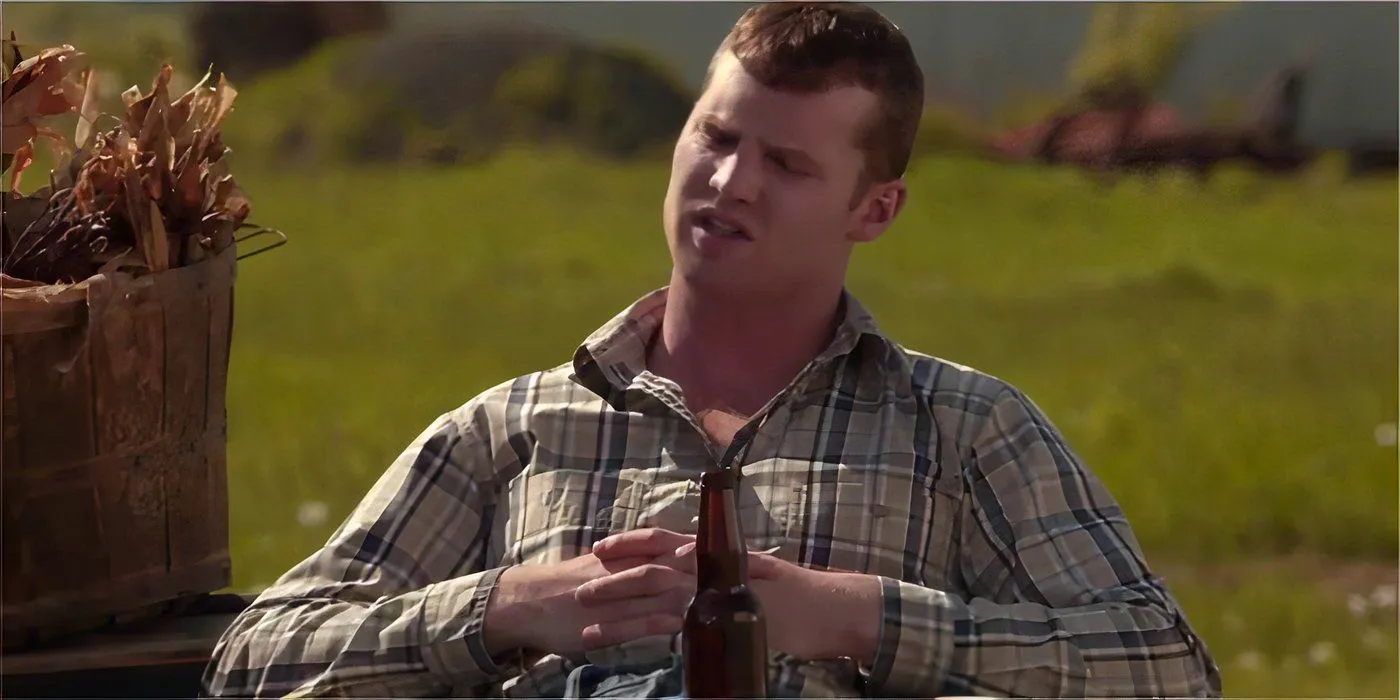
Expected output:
(721, 556)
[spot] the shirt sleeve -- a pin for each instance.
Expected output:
(388, 607)
(1060, 602)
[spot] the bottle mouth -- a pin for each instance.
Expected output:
(721, 478)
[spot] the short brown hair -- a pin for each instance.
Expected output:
(817, 46)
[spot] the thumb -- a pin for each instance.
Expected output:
(646, 542)
(764, 566)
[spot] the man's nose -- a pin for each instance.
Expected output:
(736, 177)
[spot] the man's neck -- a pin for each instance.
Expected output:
(734, 355)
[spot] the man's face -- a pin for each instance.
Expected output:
(762, 184)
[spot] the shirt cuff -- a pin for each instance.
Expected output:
(917, 632)
(454, 620)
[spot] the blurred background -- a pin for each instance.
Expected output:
(1173, 225)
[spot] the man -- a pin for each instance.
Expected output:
(918, 528)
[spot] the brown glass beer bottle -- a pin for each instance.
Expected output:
(724, 641)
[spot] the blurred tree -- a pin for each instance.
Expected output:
(243, 39)
(445, 95)
(610, 100)
(1131, 49)
(947, 129)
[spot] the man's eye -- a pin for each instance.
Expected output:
(714, 137)
(784, 164)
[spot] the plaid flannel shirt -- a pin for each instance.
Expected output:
(1006, 567)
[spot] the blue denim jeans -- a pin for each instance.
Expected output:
(658, 680)
(654, 681)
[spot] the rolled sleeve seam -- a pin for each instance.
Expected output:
(916, 639)
(455, 656)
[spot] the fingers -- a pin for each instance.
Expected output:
(635, 582)
(685, 554)
(605, 634)
(761, 566)
(647, 542)
(613, 566)
(640, 602)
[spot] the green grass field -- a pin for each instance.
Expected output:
(1222, 354)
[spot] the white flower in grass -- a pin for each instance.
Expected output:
(312, 513)
(1322, 653)
(1386, 434)
(1357, 604)
(1249, 660)
(1383, 596)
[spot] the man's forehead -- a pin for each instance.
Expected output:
(735, 94)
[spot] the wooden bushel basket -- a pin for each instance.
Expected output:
(115, 496)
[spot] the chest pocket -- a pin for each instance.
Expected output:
(558, 513)
(885, 519)
(671, 501)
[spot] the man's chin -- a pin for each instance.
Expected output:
(711, 277)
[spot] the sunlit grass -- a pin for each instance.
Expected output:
(1223, 355)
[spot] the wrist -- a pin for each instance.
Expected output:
(856, 630)
(506, 625)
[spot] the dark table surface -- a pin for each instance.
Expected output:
(158, 658)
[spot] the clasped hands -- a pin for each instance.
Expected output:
(638, 584)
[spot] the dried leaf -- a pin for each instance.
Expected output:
(199, 87)
(36, 88)
(160, 248)
(185, 112)
(168, 161)
(131, 96)
(136, 115)
(154, 188)
(137, 215)
(8, 283)
(23, 158)
(181, 125)
(87, 112)
(187, 186)
(225, 95)
(125, 260)
(152, 128)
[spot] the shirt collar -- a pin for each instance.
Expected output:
(610, 359)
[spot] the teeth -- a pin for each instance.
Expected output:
(721, 229)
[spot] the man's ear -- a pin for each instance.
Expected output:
(878, 210)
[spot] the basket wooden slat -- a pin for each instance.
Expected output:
(55, 419)
(115, 499)
(128, 363)
(11, 449)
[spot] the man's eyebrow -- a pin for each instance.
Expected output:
(714, 121)
(803, 157)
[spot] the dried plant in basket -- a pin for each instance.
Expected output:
(149, 194)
